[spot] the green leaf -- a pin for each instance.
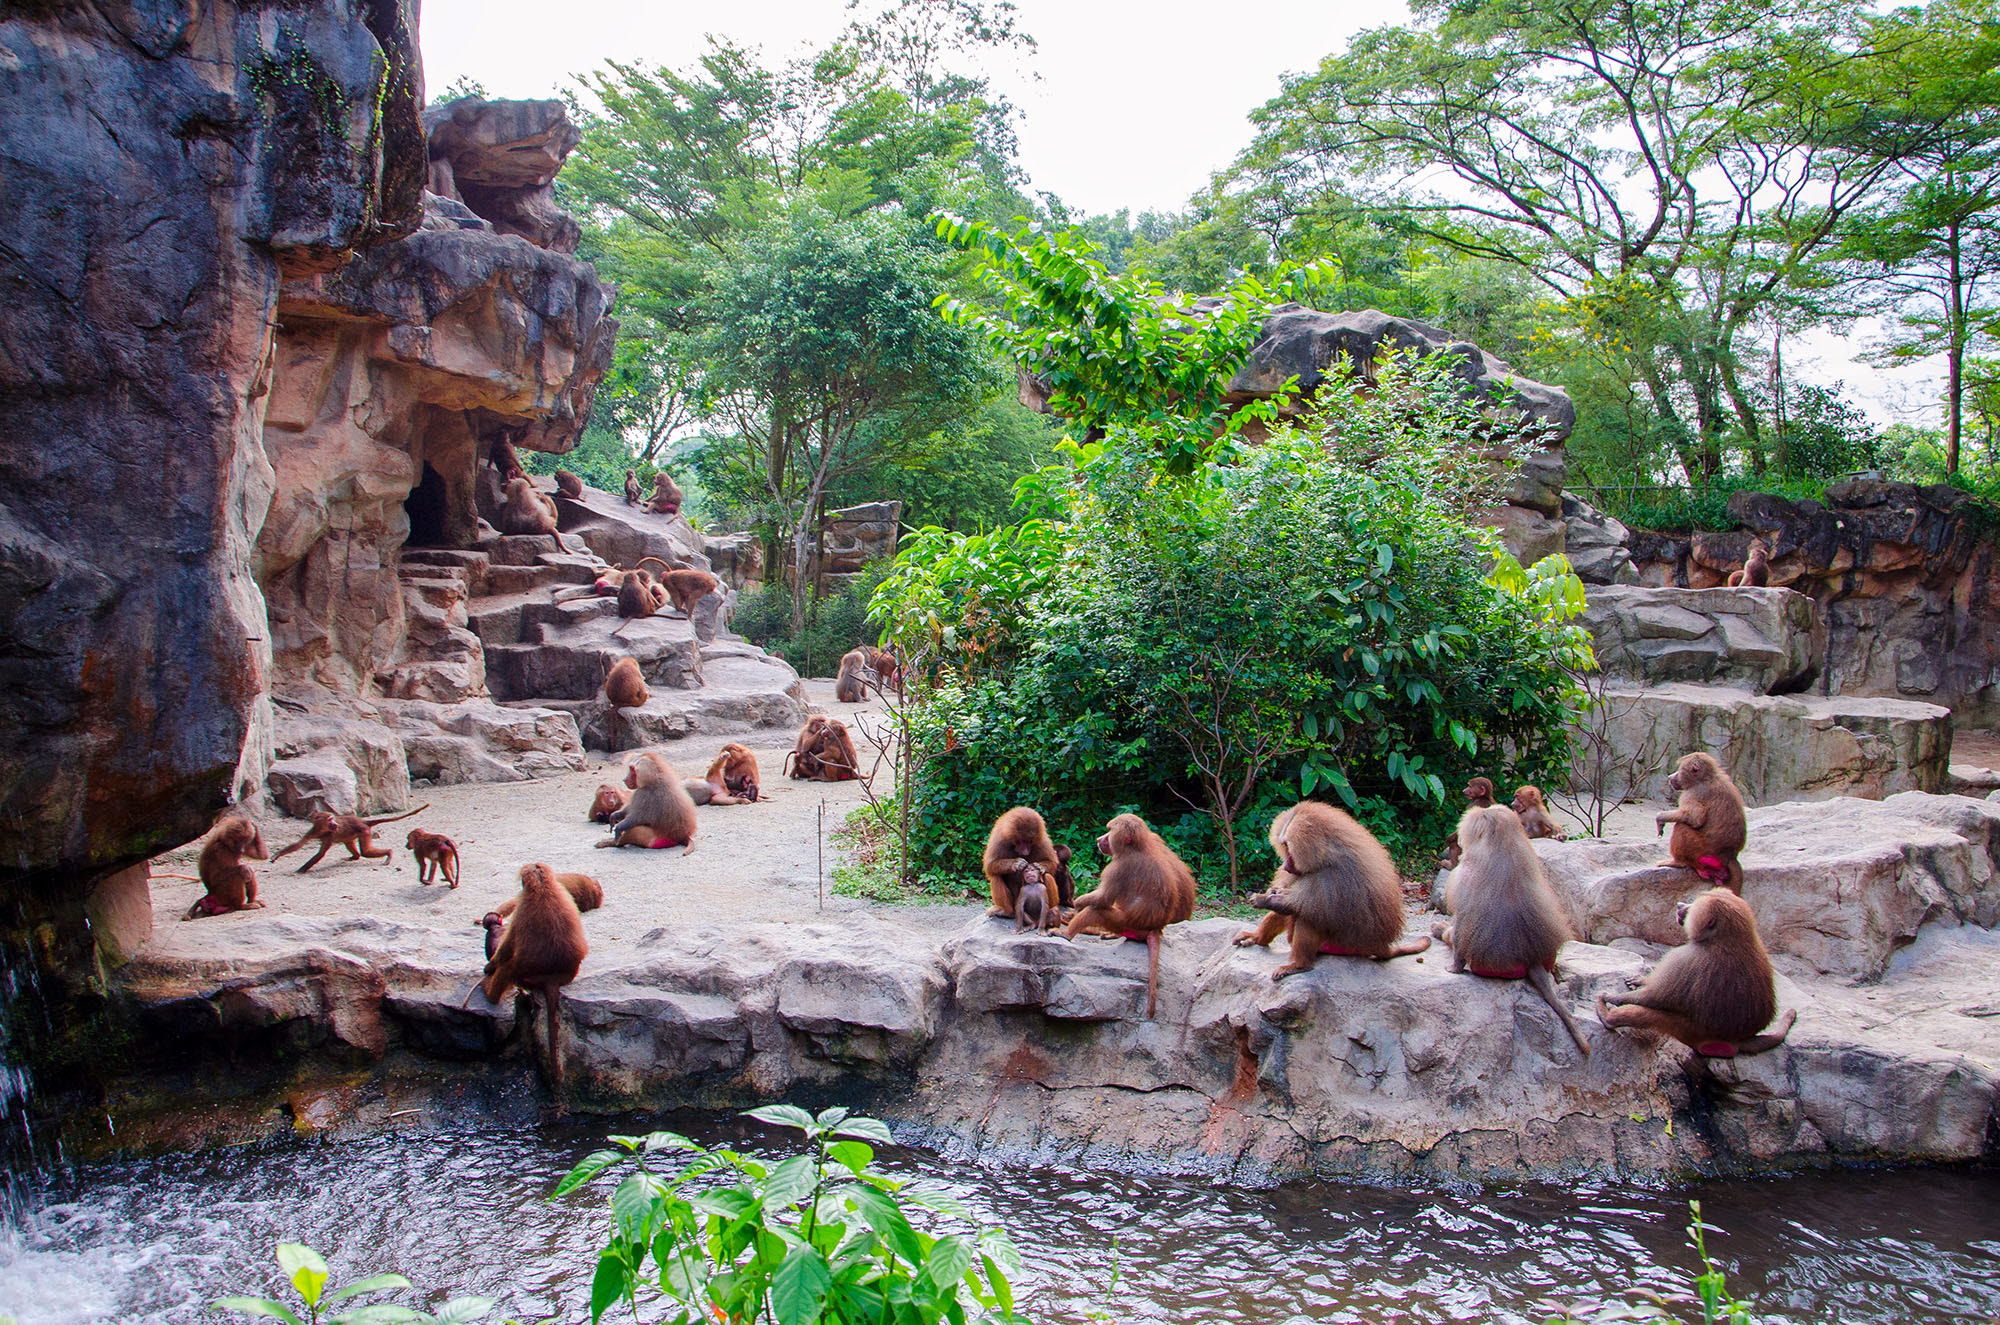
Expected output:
(800, 1286)
(609, 1285)
(378, 1313)
(462, 1309)
(881, 1213)
(783, 1115)
(304, 1268)
(374, 1283)
(790, 1182)
(853, 1155)
(257, 1306)
(949, 1259)
(867, 1129)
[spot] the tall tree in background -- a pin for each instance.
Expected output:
(1930, 249)
(1666, 172)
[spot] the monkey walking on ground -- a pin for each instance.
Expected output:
(1715, 992)
(1336, 892)
(1505, 921)
(540, 950)
(1709, 824)
(659, 814)
(332, 830)
(436, 854)
(231, 885)
(1143, 889)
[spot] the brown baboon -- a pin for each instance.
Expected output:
(633, 492)
(1336, 892)
(332, 830)
(541, 950)
(527, 511)
(1505, 921)
(231, 885)
(1756, 572)
(608, 804)
(1534, 811)
(506, 460)
(666, 495)
(660, 812)
(825, 752)
(569, 485)
(1018, 841)
(1033, 908)
(850, 684)
(1713, 993)
(732, 779)
(688, 587)
(1478, 794)
(639, 596)
(1143, 889)
(1709, 825)
(625, 684)
(435, 854)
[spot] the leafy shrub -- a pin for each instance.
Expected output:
(1680, 510)
(328, 1304)
(835, 622)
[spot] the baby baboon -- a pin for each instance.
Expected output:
(660, 812)
(607, 804)
(1709, 824)
(633, 492)
(436, 854)
(1505, 921)
(1032, 908)
(332, 830)
(569, 485)
(1534, 812)
(1756, 572)
(1018, 842)
(1478, 794)
(1143, 889)
(231, 885)
(1336, 892)
(1713, 993)
(527, 511)
(506, 459)
(541, 950)
(625, 685)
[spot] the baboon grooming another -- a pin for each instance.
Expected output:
(1534, 812)
(824, 752)
(1018, 841)
(1756, 572)
(638, 595)
(332, 830)
(1336, 892)
(1143, 889)
(660, 812)
(625, 684)
(435, 854)
(1709, 826)
(731, 780)
(1505, 921)
(1713, 993)
(231, 885)
(527, 511)
(541, 950)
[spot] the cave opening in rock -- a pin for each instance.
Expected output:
(427, 508)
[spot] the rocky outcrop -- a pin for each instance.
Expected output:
(166, 167)
(1905, 578)
(1765, 640)
(852, 538)
(1598, 547)
(500, 159)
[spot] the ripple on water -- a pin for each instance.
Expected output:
(150, 1242)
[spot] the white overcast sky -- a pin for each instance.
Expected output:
(1135, 106)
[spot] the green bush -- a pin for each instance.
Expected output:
(1312, 616)
(1683, 510)
(835, 622)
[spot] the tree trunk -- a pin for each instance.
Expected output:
(1955, 338)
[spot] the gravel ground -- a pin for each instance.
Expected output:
(756, 862)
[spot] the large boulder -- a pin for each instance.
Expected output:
(500, 159)
(623, 534)
(1765, 640)
(1598, 547)
(166, 166)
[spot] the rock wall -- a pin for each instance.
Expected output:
(854, 537)
(1905, 578)
(167, 166)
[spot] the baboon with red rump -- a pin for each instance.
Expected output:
(659, 814)
(667, 495)
(541, 950)
(1506, 923)
(1710, 828)
(1018, 841)
(1715, 992)
(332, 830)
(1143, 889)
(231, 885)
(436, 854)
(1336, 892)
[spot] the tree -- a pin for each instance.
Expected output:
(1669, 173)
(1931, 251)
(818, 325)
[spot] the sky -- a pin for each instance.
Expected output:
(1123, 105)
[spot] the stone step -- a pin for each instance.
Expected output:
(740, 692)
(1770, 641)
(522, 579)
(467, 559)
(1776, 747)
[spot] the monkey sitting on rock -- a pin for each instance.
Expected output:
(1715, 993)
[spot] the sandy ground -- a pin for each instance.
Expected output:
(749, 862)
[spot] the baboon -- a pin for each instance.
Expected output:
(1713, 993)
(541, 950)
(688, 587)
(569, 485)
(1478, 794)
(1143, 889)
(525, 510)
(732, 779)
(332, 830)
(1709, 826)
(1534, 812)
(583, 889)
(1032, 908)
(436, 854)
(863, 667)
(803, 761)
(492, 922)
(1505, 921)
(660, 812)
(625, 685)
(608, 804)
(506, 460)
(1756, 572)
(611, 579)
(639, 596)
(1065, 882)
(825, 752)
(1336, 892)
(666, 495)
(1019, 840)
(633, 492)
(231, 885)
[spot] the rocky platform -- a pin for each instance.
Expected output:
(1030, 1048)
